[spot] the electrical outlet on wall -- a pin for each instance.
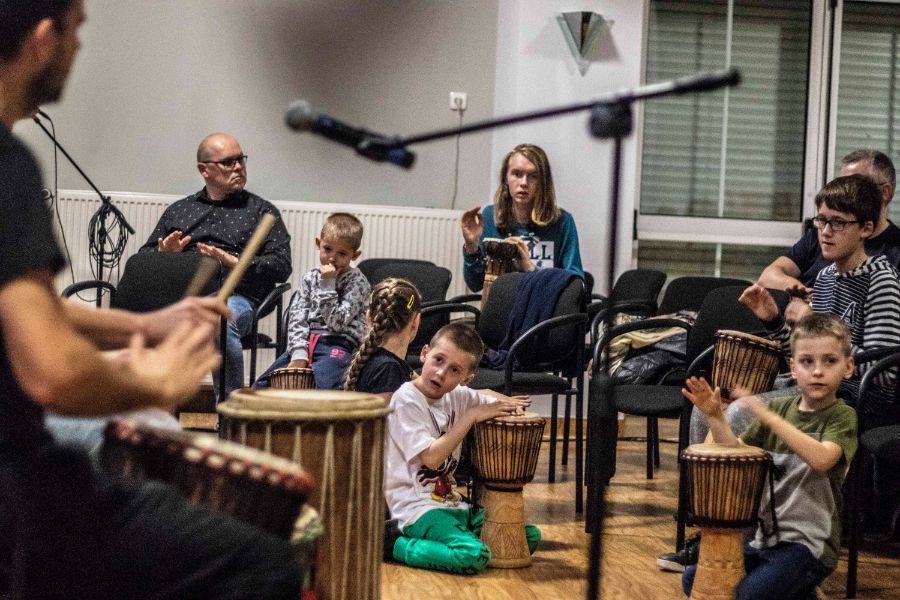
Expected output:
(459, 101)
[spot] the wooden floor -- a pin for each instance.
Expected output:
(638, 527)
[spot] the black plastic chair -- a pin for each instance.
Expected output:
(635, 292)
(652, 399)
(877, 443)
(558, 368)
(432, 282)
(369, 266)
(150, 281)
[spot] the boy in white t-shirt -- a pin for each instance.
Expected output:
(431, 417)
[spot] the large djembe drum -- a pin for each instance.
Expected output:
(252, 486)
(292, 378)
(724, 487)
(744, 362)
(499, 259)
(504, 455)
(339, 438)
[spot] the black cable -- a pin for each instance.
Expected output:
(456, 167)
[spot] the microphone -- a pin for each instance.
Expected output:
(300, 117)
(47, 196)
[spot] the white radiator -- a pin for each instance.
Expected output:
(390, 231)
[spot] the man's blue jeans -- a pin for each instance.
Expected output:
(233, 361)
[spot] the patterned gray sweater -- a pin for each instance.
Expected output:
(327, 306)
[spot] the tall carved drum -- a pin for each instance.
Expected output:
(724, 486)
(504, 457)
(743, 361)
(498, 259)
(339, 438)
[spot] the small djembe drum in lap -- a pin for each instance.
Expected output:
(339, 438)
(744, 362)
(292, 378)
(499, 259)
(724, 488)
(504, 457)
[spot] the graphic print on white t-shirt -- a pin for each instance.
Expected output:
(541, 252)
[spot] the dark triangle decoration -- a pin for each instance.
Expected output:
(581, 29)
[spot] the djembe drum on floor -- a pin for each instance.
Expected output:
(744, 362)
(724, 488)
(292, 378)
(252, 486)
(339, 438)
(499, 257)
(504, 457)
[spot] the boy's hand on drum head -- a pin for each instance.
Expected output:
(298, 364)
(701, 395)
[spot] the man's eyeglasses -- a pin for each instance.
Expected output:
(836, 224)
(229, 162)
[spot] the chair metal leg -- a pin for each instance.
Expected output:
(254, 335)
(579, 445)
(650, 447)
(656, 442)
(566, 429)
(854, 509)
(551, 472)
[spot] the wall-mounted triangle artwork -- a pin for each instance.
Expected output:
(581, 29)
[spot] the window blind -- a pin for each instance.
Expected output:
(763, 149)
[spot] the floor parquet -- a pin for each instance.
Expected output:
(638, 527)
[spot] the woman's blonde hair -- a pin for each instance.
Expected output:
(544, 212)
(394, 303)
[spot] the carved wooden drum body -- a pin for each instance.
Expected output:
(724, 487)
(744, 361)
(504, 457)
(291, 378)
(339, 438)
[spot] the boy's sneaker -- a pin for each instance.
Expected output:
(391, 534)
(677, 561)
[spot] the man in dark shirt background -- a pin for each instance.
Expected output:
(218, 221)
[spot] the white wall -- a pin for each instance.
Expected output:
(154, 77)
(536, 70)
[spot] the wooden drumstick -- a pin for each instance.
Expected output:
(205, 271)
(256, 240)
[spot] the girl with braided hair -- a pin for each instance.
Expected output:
(380, 366)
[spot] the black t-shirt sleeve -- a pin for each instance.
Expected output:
(27, 241)
(382, 377)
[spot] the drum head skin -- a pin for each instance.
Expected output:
(740, 335)
(525, 418)
(302, 405)
(714, 450)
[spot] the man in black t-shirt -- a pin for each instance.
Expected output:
(797, 269)
(67, 531)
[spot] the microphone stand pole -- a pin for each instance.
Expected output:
(106, 208)
(611, 118)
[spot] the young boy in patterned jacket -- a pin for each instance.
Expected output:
(327, 315)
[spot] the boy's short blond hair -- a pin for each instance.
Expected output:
(822, 325)
(463, 337)
(345, 227)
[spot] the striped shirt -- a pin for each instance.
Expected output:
(867, 299)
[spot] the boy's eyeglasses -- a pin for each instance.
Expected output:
(229, 162)
(836, 224)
